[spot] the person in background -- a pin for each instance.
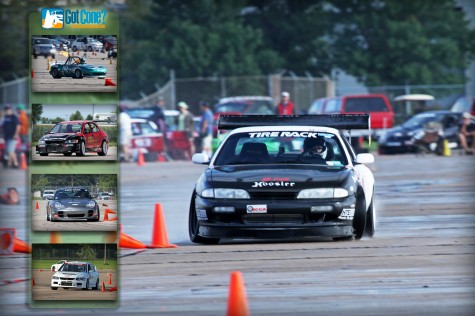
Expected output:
(11, 132)
(467, 133)
(125, 124)
(206, 129)
(24, 123)
(158, 117)
(285, 107)
(186, 124)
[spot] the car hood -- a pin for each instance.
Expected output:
(91, 67)
(403, 129)
(278, 178)
(76, 202)
(70, 274)
(58, 136)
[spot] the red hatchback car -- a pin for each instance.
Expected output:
(74, 137)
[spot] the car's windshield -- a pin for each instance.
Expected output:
(420, 120)
(72, 194)
(66, 128)
(282, 147)
(72, 268)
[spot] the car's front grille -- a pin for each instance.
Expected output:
(75, 215)
(273, 219)
(67, 279)
(272, 195)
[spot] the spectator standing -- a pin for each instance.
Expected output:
(467, 132)
(158, 117)
(11, 132)
(186, 124)
(206, 129)
(125, 124)
(285, 107)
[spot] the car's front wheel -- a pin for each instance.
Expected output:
(54, 288)
(67, 154)
(55, 73)
(359, 221)
(82, 149)
(48, 218)
(370, 220)
(194, 226)
(97, 285)
(43, 154)
(87, 286)
(104, 149)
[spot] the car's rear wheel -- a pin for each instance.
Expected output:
(77, 74)
(54, 288)
(194, 226)
(43, 154)
(370, 220)
(82, 149)
(359, 221)
(104, 149)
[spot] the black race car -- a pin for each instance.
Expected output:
(286, 176)
(72, 204)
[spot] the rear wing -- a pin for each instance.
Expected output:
(338, 121)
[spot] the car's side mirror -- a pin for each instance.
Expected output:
(200, 158)
(365, 158)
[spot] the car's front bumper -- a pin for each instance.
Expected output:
(94, 73)
(59, 148)
(282, 219)
(73, 214)
(68, 283)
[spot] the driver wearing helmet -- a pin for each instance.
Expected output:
(314, 149)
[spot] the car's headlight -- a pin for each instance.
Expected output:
(91, 204)
(71, 141)
(41, 141)
(58, 205)
(55, 278)
(81, 278)
(225, 193)
(322, 193)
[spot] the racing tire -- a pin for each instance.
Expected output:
(43, 154)
(104, 149)
(48, 219)
(96, 219)
(89, 49)
(194, 225)
(359, 221)
(53, 56)
(370, 220)
(97, 285)
(87, 286)
(77, 74)
(74, 48)
(82, 149)
(67, 154)
(54, 288)
(55, 73)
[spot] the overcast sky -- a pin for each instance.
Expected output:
(64, 111)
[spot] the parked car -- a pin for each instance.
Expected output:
(103, 196)
(76, 67)
(146, 137)
(86, 44)
(57, 265)
(70, 137)
(109, 41)
(76, 274)
(48, 194)
(400, 139)
(72, 203)
(41, 46)
(317, 106)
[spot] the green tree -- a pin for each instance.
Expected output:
(86, 253)
(89, 117)
(36, 111)
(57, 119)
(397, 42)
(77, 116)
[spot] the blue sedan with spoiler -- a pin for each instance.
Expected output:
(284, 177)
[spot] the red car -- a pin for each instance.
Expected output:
(74, 137)
(147, 138)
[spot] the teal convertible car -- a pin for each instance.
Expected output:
(76, 67)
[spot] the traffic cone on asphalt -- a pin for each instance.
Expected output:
(110, 61)
(54, 238)
(159, 234)
(106, 215)
(47, 62)
(140, 159)
(32, 73)
(237, 299)
(37, 206)
(23, 164)
(126, 241)
(103, 288)
(109, 82)
(109, 278)
(20, 246)
(32, 281)
(447, 152)
(113, 289)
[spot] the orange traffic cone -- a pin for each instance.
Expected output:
(126, 241)
(106, 215)
(103, 288)
(159, 234)
(54, 238)
(109, 278)
(32, 281)
(140, 159)
(23, 164)
(21, 246)
(109, 82)
(37, 206)
(32, 73)
(237, 299)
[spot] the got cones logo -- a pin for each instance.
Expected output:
(52, 18)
